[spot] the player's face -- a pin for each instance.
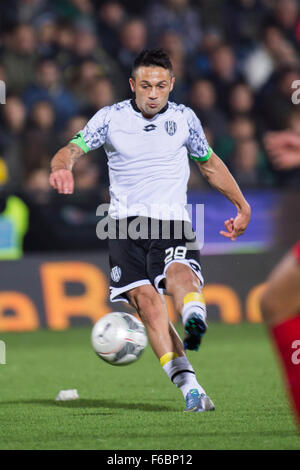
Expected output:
(152, 86)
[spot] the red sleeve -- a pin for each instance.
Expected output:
(296, 251)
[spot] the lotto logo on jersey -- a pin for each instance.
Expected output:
(150, 127)
(116, 273)
(170, 127)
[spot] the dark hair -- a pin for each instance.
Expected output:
(152, 58)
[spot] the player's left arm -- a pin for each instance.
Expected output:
(218, 176)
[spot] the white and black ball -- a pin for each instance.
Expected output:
(119, 338)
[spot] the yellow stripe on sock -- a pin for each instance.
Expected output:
(167, 358)
(194, 297)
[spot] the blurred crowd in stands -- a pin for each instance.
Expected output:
(236, 64)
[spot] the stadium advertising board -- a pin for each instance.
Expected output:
(61, 291)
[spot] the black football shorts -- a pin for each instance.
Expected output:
(141, 249)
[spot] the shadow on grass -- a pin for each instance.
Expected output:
(214, 434)
(88, 403)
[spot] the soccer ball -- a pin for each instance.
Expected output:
(119, 338)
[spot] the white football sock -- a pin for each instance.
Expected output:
(191, 307)
(181, 373)
(186, 381)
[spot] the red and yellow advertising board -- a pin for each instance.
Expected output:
(59, 291)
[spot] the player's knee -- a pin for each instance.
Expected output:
(179, 273)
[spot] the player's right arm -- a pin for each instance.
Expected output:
(61, 177)
(91, 137)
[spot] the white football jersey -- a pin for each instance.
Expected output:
(147, 158)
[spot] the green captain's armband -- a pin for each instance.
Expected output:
(202, 159)
(79, 140)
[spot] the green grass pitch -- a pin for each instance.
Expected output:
(135, 407)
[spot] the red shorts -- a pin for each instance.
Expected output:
(296, 251)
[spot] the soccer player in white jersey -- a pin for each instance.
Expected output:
(148, 141)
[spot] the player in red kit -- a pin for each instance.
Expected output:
(280, 305)
(280, 302)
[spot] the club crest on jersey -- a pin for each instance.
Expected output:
(170, 127)
(116, 273)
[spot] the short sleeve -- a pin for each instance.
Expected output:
(197, 145)
(94, 134)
